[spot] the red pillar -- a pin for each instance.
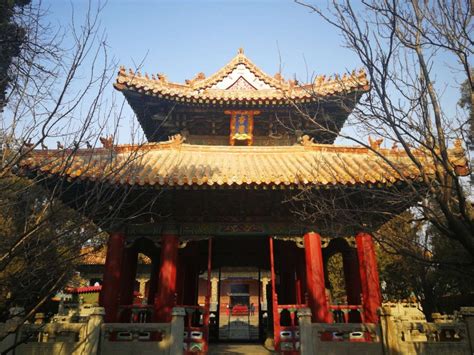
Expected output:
(352, 281)
(127, 284)
(287, 265)
(109, 295)
(315, 279)
(351, 276)
(207, 311)
(300, 277)
(153, 283)
(276, 314)
(369, 277)
(180, 278)
(164, 300)
(129, 272)
(191, 275)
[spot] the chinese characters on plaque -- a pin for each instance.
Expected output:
(241, 126)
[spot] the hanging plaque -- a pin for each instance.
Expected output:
(241, 126)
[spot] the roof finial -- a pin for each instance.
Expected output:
(241, 51)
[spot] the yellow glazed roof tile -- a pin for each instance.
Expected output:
(169, 164)
(275, 90)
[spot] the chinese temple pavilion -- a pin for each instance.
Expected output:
(209, 198)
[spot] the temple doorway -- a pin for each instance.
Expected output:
(238, 288)
(239, 304)
(239, 309)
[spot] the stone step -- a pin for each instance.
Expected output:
(237, 349)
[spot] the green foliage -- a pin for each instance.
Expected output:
(419, 262)
(12, 36)
(336, 279)
(465, 101)
(39, 243)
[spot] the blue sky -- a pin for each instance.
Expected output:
(182, 38)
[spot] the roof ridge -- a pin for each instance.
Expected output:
(240, 58)
(178, 143)
(283, 92)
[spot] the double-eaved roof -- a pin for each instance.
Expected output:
(174, 164)
(241, 83)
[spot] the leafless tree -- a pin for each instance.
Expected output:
(400, 44)
(46, 217)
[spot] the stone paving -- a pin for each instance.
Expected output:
(238, 349)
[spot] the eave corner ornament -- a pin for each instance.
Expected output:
(307, 141)
(176, 140)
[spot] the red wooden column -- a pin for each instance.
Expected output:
(127, 284)
(191, 275)
(207, 310)
(287, 290)
(300, 283)
(352, 281)
(276, 314)
(315, 279)
(180, 278)
(109, 295)
(164, 300)
(153, 283)
(369, 277)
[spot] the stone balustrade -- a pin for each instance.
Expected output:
(403, 329)
(94, 337)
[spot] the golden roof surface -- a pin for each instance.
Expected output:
(214, 90)
(174, 164)
(93, 256)
(96, 256)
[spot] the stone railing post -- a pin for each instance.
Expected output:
(265, 281)
(468, 317)
(92, 336)
(177, 330)
(142, 288)
(39, 318)
(389, 332)
(306, 331)
(214, 294)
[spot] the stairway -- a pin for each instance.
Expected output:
(237, 349)
(238, 328)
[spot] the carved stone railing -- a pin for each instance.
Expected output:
(342, 313)
(94, 337)
(346, 332)
(59, 337)
(156, 338)
(195, 332)
(289, 330)
(125, 332)
(51, 332)
(346, 338)
(403, 329)
(409, 332)
(136, 313)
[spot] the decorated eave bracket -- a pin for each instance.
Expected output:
(241, 126)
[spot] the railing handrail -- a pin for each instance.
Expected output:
(342, 307)
(136, 306)
(191, 306)
(135, 326)
(292, 306)
(345, 326)
(47, 327)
